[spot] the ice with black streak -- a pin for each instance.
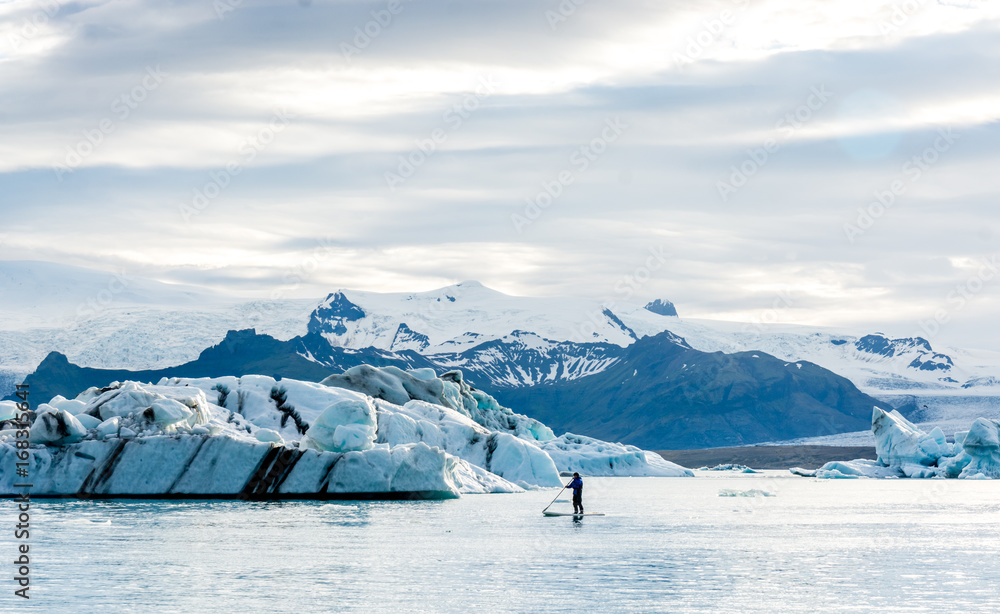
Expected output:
(370, 431)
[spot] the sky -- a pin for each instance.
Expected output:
(823, 163)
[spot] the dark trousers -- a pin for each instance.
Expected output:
(578, 502)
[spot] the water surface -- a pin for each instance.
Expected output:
(666, 545)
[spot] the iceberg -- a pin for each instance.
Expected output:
(444, 412)
(862, 468)
(256, 437)
(730, 467)
(905, 451)
(753, 492)
(982, 446)
(589, 456)
(898, 441)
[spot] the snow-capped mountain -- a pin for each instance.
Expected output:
(500, 341)
(459, 317)
(539, 340)
(112, 320)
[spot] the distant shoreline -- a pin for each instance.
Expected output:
(767, 457)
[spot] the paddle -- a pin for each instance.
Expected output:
(554, 500)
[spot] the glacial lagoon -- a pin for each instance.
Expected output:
(666, 545)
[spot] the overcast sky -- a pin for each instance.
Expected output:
(721, 152)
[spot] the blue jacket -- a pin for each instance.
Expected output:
(576, 485)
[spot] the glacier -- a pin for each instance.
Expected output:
(906, 451)
(379, 432)
(502, 342)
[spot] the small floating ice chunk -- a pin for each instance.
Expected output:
(730, 467)
(753, 492)
(861, 468)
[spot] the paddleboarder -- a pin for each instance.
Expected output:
(577, 486)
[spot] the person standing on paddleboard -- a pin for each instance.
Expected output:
(577, 486)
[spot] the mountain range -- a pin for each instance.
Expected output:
(638, 372)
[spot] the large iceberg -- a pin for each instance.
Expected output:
(905, 451)
(258, 437)
(569, 452)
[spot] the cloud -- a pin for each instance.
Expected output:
(486, 109)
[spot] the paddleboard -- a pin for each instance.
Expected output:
(571, 514)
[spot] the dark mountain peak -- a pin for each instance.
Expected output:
(54, 359)
(331, 314)
(926, 360)
(407, 338)
(662, 307)
(244, 342)
(879, 343)
(876, 344)
(665, 342)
